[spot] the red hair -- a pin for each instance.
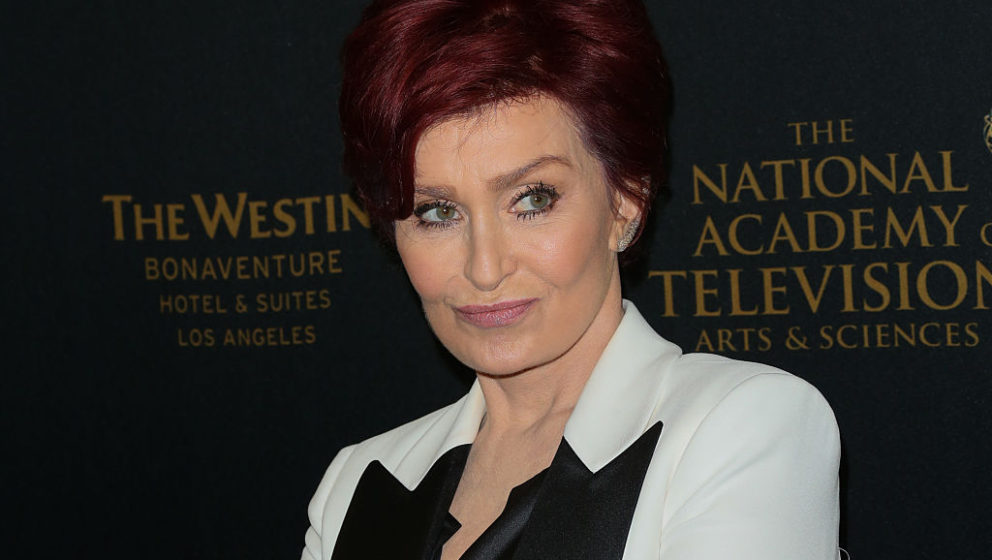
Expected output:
(411, 64)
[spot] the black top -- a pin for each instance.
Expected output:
(565, 512)
(499, 541)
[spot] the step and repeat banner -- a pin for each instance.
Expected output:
(198, 315)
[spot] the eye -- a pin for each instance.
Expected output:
(535, 200)
(436, 214)
(439, 214)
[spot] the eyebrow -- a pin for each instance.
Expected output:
(501, 181)
(508, 179)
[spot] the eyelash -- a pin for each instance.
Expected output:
(538, 188)
(422, 209)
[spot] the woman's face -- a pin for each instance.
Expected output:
(512, 242)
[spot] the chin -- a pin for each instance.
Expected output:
(502, 360)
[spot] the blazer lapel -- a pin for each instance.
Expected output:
(618, 402)
(582, 514)
(588, 500)
(386, 520)
(399, 503)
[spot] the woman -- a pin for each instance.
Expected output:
(510, 149)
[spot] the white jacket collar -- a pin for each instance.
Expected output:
(615, 407)
(617, 404)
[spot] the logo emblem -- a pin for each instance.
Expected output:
(988, 131)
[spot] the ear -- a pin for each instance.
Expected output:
(627, 214)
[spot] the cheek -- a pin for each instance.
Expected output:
(574, 253)
(428, 268)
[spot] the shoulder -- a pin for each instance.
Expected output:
(721, 411)
(757, 452)
(687, 386)
(705, 382)
(657, 382)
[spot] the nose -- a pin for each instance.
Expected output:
(489, 259)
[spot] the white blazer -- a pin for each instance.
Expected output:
(745, 467)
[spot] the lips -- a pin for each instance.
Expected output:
(500, 314)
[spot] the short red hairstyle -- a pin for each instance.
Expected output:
(412, 64)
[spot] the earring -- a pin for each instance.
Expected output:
(628, 236)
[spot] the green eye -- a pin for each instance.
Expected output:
(438, 213)
(535, 201)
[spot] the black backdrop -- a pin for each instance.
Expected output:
(147, 415)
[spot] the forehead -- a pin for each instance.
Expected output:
(500, 138)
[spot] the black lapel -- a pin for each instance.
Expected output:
(585, 515)
(385, 520)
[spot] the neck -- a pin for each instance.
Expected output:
(527, 400)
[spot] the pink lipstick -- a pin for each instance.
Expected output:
(500, 314)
